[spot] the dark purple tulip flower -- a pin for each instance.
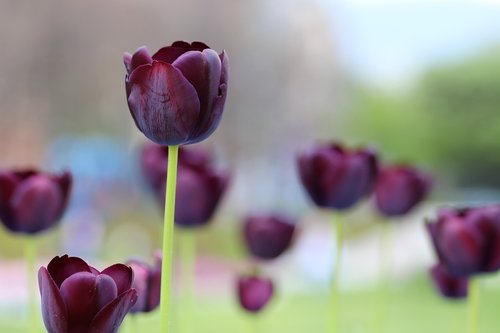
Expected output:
(77, 298)
(147, 282)
(200, 185)
(268, 236)
(467, 241)
(31, 201)
(177, 96)
(399, 189)
(448, 285)
(335, 177)
(254, 292)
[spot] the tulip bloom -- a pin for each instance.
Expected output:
(254, 292)
(335, 177)
(177, 96)
(147, 280)
(268, 236)
(200, 185)
(467, 241)
(31, 201)
(77, 298)
(448, 285)
(399, 189)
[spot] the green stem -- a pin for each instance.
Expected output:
(385, 270)
(473, 316)
(30, 257)
(168, 237)
(188, 258)
(335, 287)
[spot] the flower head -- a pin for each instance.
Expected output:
(335, 177)
(177, 96)
(147, 282)
(254, 292)
(77, 298)
(454, 287)
(467, 241)
(399, 189)
(200, 185)
(268, 236)
(31, 201)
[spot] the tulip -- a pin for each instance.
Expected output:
(177, 96)
(448, 285)
(254, 292)
(77, 298)
(467, 241)
(335, 177)
(200, 185)
(268, 236)
(31, 201)
(399, 189)
(147, 280)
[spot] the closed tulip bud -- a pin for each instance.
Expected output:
(399, 189)
(268, 236)
(31, 201)
(467, 241)
(254, 292)
(147, 282)
(335, 177)
(77, 298)
(177, 96)
(449, 286)
(200, 185)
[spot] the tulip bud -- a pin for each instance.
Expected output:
(335, 177)
(77, 298)
(268, 236)
(177, 96)
(399, 189)
(32, 202)
(449, 286)
(147, 282)
(254, 292)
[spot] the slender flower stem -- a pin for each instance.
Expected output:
(188, 257)
(335, 286)
(385, 275)
(30, 257)
(473, 316)
(168, 238)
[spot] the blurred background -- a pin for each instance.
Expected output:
(418, 80)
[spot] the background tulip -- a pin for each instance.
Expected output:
(335, 177)
(467, 241)
(268, 236)
(399, 189)
(448, 285)
(147, 280)
(254, 292)
(31, 201)
(77, 298)
(177, 96)
(200, 185)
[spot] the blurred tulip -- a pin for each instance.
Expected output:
(31, 201)
(467, 241)
(335, 177)
(77, 298)
(268, 236)
(448, 285)
(177, 96)
(147, 281)
(200, 185)
(399, 189)
(254, 292)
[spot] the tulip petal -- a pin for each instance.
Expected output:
(122, 275)
(140, 284)
(254, 292)
(163, 103)
(154, 289)
(140, 57)
(111, 316)
(8, 184)
(60, 268)
(169, 54)
(448, 285)
(65, 182)
(127, 61)
(54, 312)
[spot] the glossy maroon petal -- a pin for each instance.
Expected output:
(127, 61)
(109, 319)
(8, 184)
(169, 54)
(163, 103)
(122, 275)
(140, 284)
(65, 182)
(140, 57)
(60, 268)
(254, 292)
(154, 288)
(54, 312)
(448, 285)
